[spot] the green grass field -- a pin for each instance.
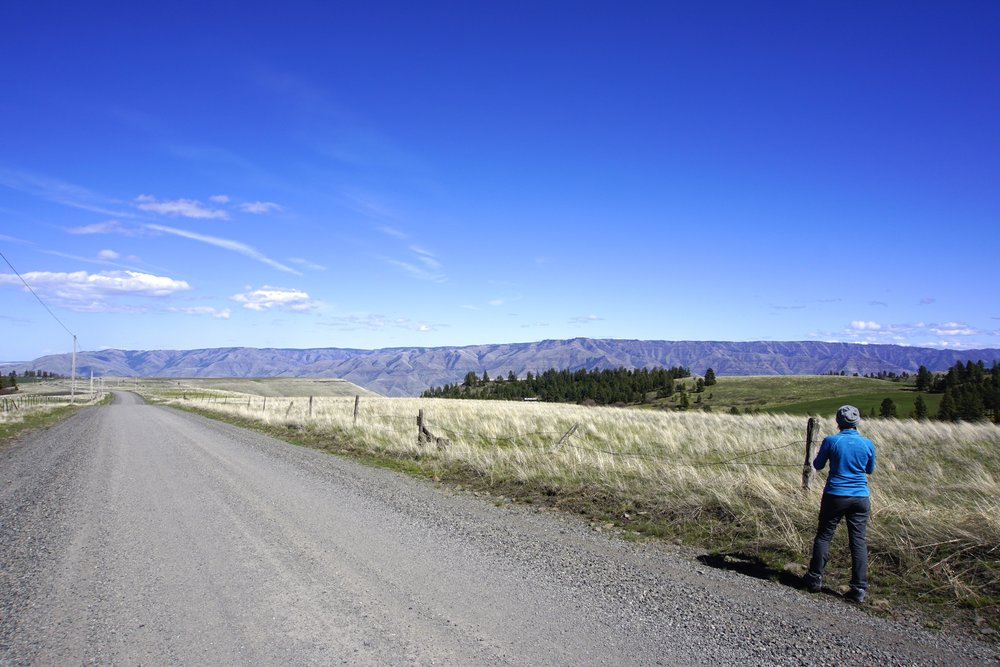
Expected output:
(804, 395)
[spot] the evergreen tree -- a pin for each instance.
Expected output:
(920, 408)
(709, 377)
(946, 410)
(887, 409)
(684, 402)
(925, 379)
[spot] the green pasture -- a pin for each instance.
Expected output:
(802, 394)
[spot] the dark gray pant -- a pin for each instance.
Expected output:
(832, 509)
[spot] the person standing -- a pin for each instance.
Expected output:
(845, 496)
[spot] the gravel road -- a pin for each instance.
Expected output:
(136, 534)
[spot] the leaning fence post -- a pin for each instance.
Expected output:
(807, 468)
(357, 400)
(424, 435)
(565, 437)
(290, 404)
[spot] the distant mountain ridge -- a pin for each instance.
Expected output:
(409, 371)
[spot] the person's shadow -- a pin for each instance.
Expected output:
(754, 567)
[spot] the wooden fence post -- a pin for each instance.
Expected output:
(310, 407)
(421, 431)
(807, 468)
(565, 437)
(357, 401)
(290, 404)
(424, 436)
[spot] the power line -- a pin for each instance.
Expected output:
(37, 297)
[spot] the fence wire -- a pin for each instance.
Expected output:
(529, 440)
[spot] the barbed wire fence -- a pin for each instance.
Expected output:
(542, 440)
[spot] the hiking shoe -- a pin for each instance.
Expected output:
(811, 585)
(855, 596)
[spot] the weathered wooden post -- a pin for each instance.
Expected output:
(807, 468)
(422, 432)
(357, 401)
(424, 435)
(565, 437)
(290, 404)
(310, 407)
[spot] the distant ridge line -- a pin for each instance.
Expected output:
(407, 371)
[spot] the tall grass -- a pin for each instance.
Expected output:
(731, 483)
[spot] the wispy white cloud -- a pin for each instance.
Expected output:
(219, 199)
(426, 258)
(106, 227)
(90, 292)
(393, 232)
(586, 319)
(60, 192)
(306, 264)
(108, 255)
(219, 314)
(226, 244)
(99, 260)
(260, 207)
(952, 329)
(422, 265)
(374, 322)
(276, 298)
(185, 208)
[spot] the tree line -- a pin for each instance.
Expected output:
(971, 391)
(11, 379)
(600, 387)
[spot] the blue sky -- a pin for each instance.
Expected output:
(385, 174)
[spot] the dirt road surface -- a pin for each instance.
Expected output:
(133, 534)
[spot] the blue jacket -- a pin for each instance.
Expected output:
(852, 457)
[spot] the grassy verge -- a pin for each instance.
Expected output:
(33, 421)
(16, 424)
(728, 484)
